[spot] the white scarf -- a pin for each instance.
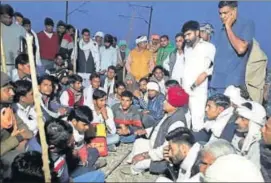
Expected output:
(188, 162)
(220, 123)
(86, 47)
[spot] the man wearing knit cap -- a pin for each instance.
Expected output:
(140, 63)
(198, 55)
(148, 153)
(206, 31)
(154, 111)
(49, 46)
(7, 92)
(251, 118)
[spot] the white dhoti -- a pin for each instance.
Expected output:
(197, 104)
(140, 146)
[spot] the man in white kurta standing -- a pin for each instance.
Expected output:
(198, 55)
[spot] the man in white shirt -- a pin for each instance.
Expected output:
(24, 108)
(95, 83)
(148, 153)
(22, 68)
(103, 114)
(175, 61)
(198, 55)
(108, 55)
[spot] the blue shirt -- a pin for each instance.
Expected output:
(229, 67)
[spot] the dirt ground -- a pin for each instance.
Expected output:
(117, 175)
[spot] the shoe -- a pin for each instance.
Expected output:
(100, 163)
(112, 148)
(126, 170)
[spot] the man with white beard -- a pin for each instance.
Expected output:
(198, 55)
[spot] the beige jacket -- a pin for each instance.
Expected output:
(256, 71)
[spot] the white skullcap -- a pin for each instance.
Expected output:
(235, 95)
(233, 168)
(100, 34)
(153, 86)
(141, 39)
(257, 114)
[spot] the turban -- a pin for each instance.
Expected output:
(177, 97)
(153, 86)
(141, 39)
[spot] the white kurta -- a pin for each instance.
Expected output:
(197, 61)
(178, 68)
(98, 118)
(146, 145)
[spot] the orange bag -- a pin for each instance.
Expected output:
(99, 142)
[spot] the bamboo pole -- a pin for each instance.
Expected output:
(45, 157)
(3, 57)
(75, 51)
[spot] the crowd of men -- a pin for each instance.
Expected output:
(194, 111)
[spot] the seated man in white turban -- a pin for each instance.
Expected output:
(251, 118)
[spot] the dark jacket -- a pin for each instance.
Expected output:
(265, 159)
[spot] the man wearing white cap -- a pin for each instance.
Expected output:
(237, 95)
(99, 36)
(252, 117)
(140, 62)
(154, 111)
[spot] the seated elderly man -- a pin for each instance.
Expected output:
(233, 168)
(154, 111)
(251, 118)
(148, 153)
(213, 151)
(221, 120)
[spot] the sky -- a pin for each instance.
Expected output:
(168, 17)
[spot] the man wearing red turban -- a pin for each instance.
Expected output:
(148, 153)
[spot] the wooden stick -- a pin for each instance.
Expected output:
(3, 57)
(37, 99)
(75, 51)
(108, 172)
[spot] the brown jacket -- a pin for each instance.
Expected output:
(9, 142)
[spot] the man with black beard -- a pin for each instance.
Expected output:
(198, 55)
(183, 151)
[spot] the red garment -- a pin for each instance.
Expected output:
(48, 46)
(68, 38)
(72, 99)
(177, 97)
(83, 154)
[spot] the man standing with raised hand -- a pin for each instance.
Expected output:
(234, 41)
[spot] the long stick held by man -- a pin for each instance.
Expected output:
(45, 158)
